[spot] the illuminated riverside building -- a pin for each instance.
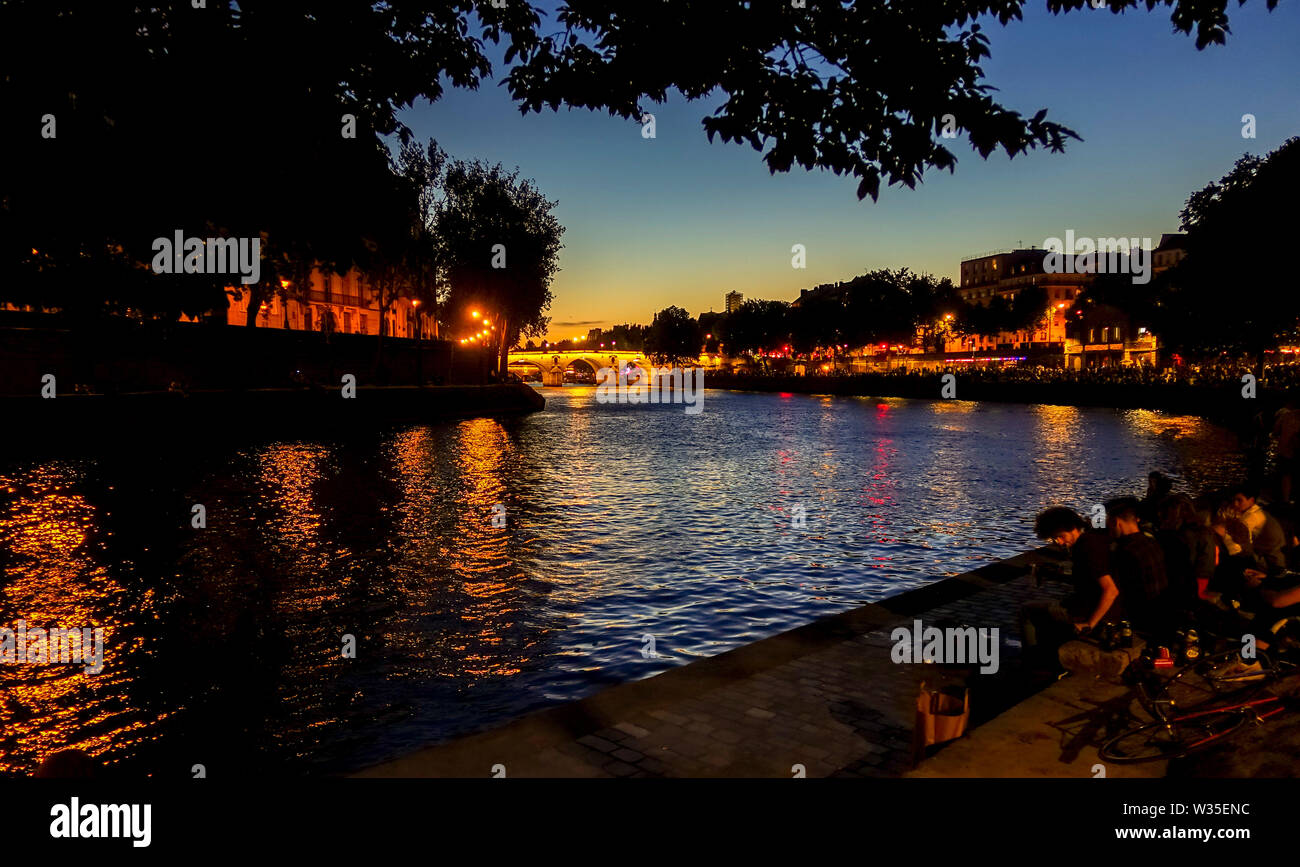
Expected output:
(341, 304)
(1106, 338)
(1103, 336)
(1005, 275)
(983, 278)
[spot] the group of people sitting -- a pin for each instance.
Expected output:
(1165, 561)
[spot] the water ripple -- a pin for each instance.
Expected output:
(483, 568)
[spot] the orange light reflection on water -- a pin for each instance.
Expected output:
(479, 550)
(53, 580)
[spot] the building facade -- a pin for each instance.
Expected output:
(1106, 337)
(1006, 274)
(733, 301)
(1171, 250)
(334, 303)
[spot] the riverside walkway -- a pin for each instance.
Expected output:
(824, 699)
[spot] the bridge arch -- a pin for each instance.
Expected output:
(527, 368)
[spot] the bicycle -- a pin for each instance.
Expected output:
(1201, 704)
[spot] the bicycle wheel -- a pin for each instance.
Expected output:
(1159, 740)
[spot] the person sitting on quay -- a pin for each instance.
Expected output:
(1267, 606)
(1159, 486)
(1234, 557)
(1233, 535)
(1048, 625)
(1189, 549)
(1249, 586)
(1266, 534)
(1138, 566)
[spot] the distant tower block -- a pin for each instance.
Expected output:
(734, 300)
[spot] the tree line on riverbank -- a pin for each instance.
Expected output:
(1230, 296)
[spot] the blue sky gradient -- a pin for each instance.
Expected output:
(677, 220)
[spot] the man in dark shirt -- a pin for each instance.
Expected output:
(1096, 596)
(1047, 625)
(1138, 564)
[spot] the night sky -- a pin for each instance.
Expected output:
(676, 220)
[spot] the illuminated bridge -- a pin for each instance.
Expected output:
(553, 364)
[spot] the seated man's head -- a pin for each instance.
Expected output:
(1122, 516)
(1059, 525)
(1243, 497)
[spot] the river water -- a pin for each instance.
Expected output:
(484, 568)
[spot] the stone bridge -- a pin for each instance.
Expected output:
(553, 364)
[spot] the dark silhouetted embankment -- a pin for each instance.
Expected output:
(1211, 401)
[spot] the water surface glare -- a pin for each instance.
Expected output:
(624, 526)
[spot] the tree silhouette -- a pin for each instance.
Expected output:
(673, 336)
(864, 88)
(498, 244)
(233, 120)
(1234, 290)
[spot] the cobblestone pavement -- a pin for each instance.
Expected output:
(821, 700)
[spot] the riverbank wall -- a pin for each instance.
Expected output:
(121, 355)
(823, 699)
(264, 412)
(1210, 401)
